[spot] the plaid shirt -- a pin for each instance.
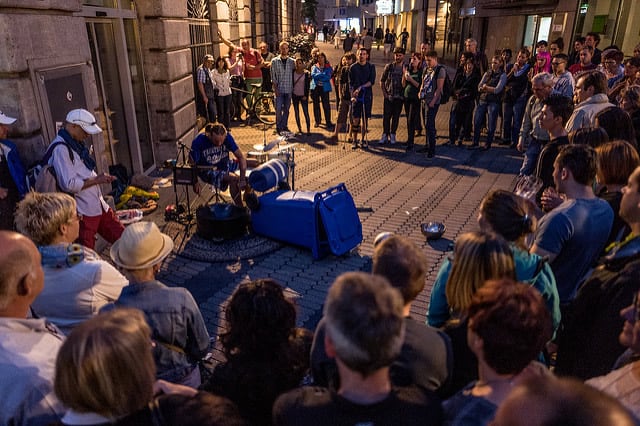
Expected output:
(282, 73)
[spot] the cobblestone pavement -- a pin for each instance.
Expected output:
(402, 189)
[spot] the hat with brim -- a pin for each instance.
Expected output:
(5, 119)
(141, 246)
(86, 120)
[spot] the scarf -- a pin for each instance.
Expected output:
(79, 148)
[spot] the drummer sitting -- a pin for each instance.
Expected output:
(210, 153)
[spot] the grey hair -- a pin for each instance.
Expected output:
(40, 215)
(544, 78)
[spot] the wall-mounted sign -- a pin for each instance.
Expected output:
(384, 7)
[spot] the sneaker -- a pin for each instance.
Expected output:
(355, 145)
(393, 138)
(383, 139)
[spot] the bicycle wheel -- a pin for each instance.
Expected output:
(265, 108)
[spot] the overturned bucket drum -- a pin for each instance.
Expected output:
(221, 221)
(267, 175)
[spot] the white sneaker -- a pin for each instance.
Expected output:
(393, 138)
(383, 139)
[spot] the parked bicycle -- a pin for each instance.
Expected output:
(260, 105)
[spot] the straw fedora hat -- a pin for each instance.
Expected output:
(141, 246)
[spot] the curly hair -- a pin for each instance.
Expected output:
(513, 323)
(266, 354)
(258, 317)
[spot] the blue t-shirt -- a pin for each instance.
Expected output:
(205, 153)
(576, 232)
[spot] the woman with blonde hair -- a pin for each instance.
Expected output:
(77, 282)
(106, 367)
(477, 258)
(105, 375)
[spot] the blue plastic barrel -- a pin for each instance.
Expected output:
(267, 175)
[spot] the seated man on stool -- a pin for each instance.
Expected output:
(210, 150)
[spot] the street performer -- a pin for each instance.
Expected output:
(210, 153)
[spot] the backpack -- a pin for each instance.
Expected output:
(447, 88)
(42, 177)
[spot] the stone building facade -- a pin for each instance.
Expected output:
(131, 63)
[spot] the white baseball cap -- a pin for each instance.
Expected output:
(84, 119)
(5, 119)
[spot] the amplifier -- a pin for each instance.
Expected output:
(185, 175)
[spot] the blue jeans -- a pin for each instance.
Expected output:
(430, 125)
(283, 103)
(484, 108)
(512, 114)
(531, 157)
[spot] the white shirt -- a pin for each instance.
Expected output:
(222, 82)
(71, 176)
(74, 294)
(28, 350)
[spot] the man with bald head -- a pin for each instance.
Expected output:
(29, 345)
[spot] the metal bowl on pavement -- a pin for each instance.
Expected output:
(433, 230)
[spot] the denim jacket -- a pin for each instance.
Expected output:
(176, 324)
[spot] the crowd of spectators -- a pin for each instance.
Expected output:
(537, 312)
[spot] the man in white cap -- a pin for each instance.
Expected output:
(75, 171)
(13, 185)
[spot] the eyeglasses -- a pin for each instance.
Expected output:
(556, 63)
